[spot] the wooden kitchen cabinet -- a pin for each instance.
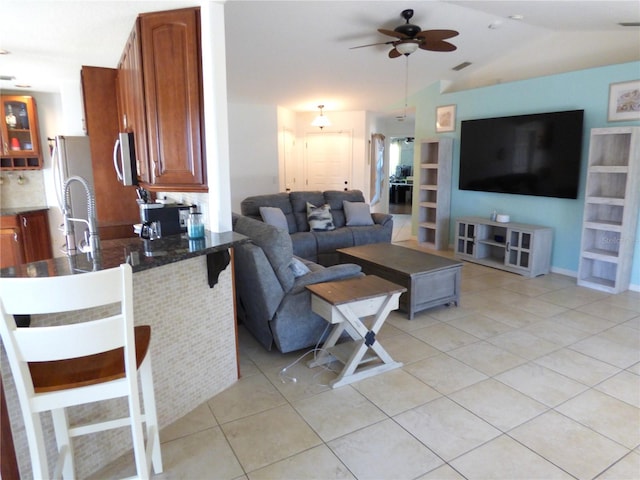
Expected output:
(130, 96)
(36, 239)
(116, 207)
(20, 149)
(160, 100)
(24, 238)
(11, 251)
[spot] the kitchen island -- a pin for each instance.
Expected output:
(184, 289)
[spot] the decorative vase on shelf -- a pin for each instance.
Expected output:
(24, 118)
(10, 119)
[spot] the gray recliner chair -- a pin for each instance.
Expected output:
(273, 303)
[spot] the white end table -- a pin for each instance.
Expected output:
(345, 304)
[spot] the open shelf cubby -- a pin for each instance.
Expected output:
(434, 202)
(611, 209)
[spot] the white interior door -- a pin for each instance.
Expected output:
(328, 160)
(291, 175)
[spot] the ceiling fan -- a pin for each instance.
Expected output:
(411, 37)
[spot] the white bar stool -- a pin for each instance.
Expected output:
(60, 366)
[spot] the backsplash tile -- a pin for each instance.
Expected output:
(30, 193)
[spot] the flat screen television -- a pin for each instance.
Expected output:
(537, 154)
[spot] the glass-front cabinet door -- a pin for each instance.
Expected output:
(20, 141)
(519, 249)
(466, 239)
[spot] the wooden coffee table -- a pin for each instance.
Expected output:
(345, 304)
(430, 280)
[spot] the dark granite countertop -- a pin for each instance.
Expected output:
(141, 254)
(4, 212)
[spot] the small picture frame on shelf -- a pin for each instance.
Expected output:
(624, 101)
(446, 118)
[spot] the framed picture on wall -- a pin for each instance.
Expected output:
(446, 118)
(624, 101)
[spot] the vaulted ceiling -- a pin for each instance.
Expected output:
(298, 54)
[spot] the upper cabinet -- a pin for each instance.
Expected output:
(20, 137)
(131, 101)
(160, 99)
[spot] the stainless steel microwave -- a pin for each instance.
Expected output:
(124, 159)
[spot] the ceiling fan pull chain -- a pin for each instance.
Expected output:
(406, 85)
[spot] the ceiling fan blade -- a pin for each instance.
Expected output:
(372, 44)
(437, 35)
(439, 46)
(394, 53)
(392, 33)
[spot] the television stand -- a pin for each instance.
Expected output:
(514, 247)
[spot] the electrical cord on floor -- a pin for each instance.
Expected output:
(283, 372)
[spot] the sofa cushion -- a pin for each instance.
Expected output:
(331, 241)
(371, 234)
(357, 213)
(299, 207)
(319, 218)
(335, 198)
(250, 207)
(305, 245)
(274, 216)
(275, 243)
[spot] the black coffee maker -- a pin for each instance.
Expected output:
(172, 216)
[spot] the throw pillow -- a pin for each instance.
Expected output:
(299, 268)
(275, 217)
(357, 213)
(320, 219)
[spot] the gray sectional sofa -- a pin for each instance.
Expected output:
(272, 301)
(320, 246)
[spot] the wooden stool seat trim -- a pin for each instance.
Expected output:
(89, 370)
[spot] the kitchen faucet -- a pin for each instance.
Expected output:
(92, 243)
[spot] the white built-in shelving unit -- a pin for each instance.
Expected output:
(434, 194)
(612, 201)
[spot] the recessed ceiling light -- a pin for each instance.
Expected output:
(629, 24)
(495, 24)
(7, 77)
(4, 52)
(516, 17)
(22, 85)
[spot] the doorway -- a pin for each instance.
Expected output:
(400, 175)
(328, 160)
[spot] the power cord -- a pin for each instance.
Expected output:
(283, 372)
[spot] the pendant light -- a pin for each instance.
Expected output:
(321, 121)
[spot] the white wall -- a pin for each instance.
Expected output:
(267, 147)
(289, 176)
(253, 151)
(216, 125)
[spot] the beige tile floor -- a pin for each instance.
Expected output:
(527, 378)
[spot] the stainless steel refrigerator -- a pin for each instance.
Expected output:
(71, 156)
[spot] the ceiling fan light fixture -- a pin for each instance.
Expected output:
(407, 48)
(321, 121)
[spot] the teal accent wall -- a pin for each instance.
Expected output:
(586, 90)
